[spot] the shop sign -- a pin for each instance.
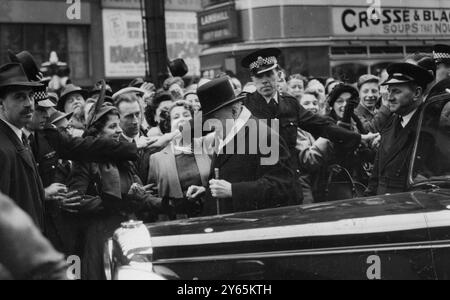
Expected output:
(391, 22)
(218, 24)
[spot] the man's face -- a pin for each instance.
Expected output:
(369, 94)
(18, 107)
(401, 99)
(442, 72)
(75, 103)
(220, 119)
(177, 92)
(266, 83)
(130, 118)
(40, 118)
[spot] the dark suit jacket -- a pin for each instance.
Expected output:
(24, 252)
(293, 116)
(255, 186)
(19, 177)
(391, 168)
(90, 149)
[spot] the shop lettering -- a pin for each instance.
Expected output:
(397, 20)
(120, 54)
(214, 18)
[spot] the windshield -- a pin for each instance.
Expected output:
(432, 158)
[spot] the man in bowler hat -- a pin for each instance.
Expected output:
(406, 84)
(241, 180)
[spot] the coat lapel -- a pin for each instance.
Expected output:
(25, 154)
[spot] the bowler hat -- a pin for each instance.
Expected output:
(178, 68)
(405, 73)
(28, 63)
(216, 95)
(70, 90)
(262, 61)
(13, 75)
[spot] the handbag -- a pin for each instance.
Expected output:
(341, 185)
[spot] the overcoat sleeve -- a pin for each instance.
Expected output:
(320, 126)
(90, 149)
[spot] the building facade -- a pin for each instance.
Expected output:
(321, 38)
(97, 38)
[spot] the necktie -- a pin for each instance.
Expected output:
(398, 126)
(273, 106)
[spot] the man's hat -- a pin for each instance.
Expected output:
(441, 54)
(216, 95)
(404, 73)
(128, 90)
(366, 79)
(13, 75)
(70, 90)
(98, 87)
(58, 116)
(42, 99)
(28, 63)
(262, 61)
(178, 68)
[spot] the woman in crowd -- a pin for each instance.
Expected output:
(181, 165)
(153, 113)
(343, 100)
(314, 154)
(319, 88)
(296, 86)
(111, 193)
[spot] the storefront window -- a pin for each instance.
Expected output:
(71, 43)
(349, 72)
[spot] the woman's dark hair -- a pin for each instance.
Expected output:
(150, 110)
(98, 126)
(166, 122)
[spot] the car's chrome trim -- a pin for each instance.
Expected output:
(332, 251)
(370, 225)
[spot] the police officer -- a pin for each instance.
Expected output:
(406, 84)
(268, 104)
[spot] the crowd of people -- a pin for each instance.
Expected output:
(80, 162)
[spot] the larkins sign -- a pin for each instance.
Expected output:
(391, 22)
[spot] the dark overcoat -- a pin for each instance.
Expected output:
(19, 177)
(255, 186)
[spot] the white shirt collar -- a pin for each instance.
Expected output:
(238, 125)
(16, 130)
(27, 132)
(274, 98)
(406, 119)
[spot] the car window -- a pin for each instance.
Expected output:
(432, 159)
